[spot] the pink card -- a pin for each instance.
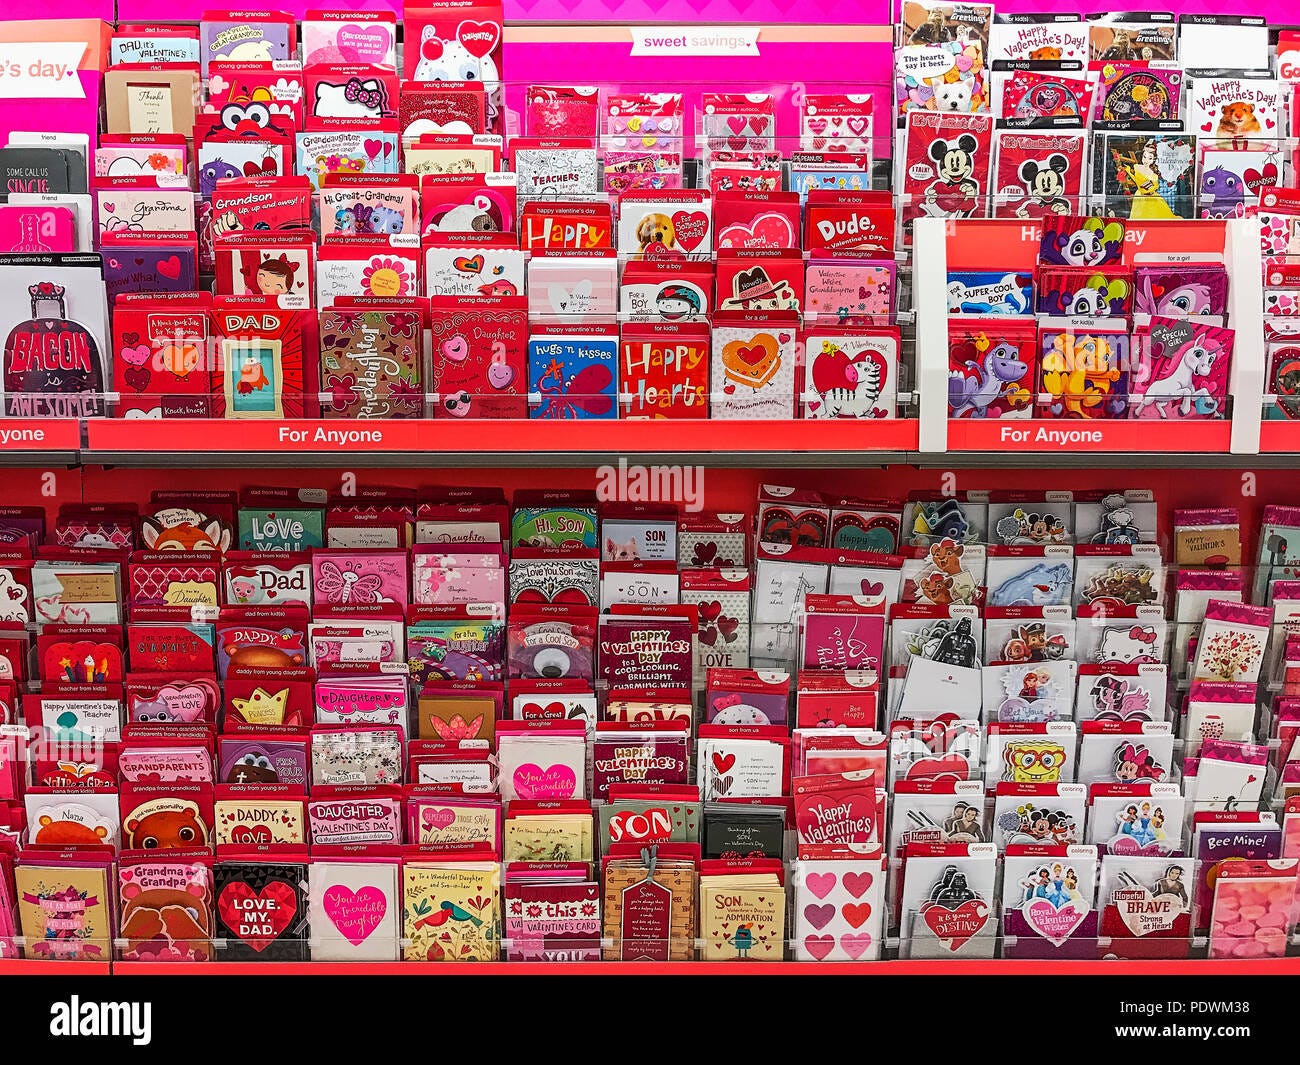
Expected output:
(350, 577)
(361, 700)
(36, 229)
(443, 578)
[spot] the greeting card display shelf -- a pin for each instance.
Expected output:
(444, 442)
(944, 245)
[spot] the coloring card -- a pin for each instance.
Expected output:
(1122, 692)
(1039, 814)
(1038, 691)
(947, 900)
(1047, 902)
(555, 170)
(1125, 753)
(1146, 906)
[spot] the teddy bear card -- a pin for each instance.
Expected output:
(166, 908)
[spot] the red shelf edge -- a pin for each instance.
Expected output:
(508, 435)
(1111, 435)
(1272, 966)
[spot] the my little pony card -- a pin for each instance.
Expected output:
(1182, 370)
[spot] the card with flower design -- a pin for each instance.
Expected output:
(372, 363)
(451, 910)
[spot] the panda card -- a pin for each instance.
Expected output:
(1038, 173)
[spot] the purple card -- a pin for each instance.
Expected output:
(1213, 845)
(157, 268)
(644, 652)
(244, 761)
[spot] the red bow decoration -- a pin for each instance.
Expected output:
(1146, 635)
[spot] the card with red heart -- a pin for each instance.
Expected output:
(669, 223)
(839, 906)
(722, 596)
(262, 911)
(67, 660)
(947, 904)
(1047, 901)
(754, 353)
(158, 340)
(1145, 905)
(746, 220)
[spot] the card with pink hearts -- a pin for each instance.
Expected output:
(172, 697)
(833, 122)
(542, 760)
(356, 910)
(480, 353)
(839, 906)
(136, 207)
(1047, 901)
(747, 220)
(738, 122)
(337, 149)
(348, 819)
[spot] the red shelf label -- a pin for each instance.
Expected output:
(216, 435)
(1279, 436)
(32, 434)
(1095, 434)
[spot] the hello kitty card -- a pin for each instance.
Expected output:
(355, 92)
(261, 36)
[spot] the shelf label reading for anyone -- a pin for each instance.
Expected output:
(1120, 435)
(43, 435)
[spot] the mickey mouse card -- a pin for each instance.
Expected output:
(947, 166)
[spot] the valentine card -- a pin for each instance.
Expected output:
(1032, 37)
(357, 92)
(64, 911)
(349, 37)
(543, 760)
(468, 203)
(947, 906)
(473, 264)
(572, 226)
(259, 264)
(1037, 174)
(245, 820)
(839, 908)
(1049, 98)
(947, 168)
(358, 204)
(561, 111)
(37, 229)
(166, 909)
(640, 754)
(571, 373)
(1136, 819)
(357, 912)
(458, 107)
(451, 911)
(742, 913)
(1047, 902)
(753, 374)
(245, 35)
(668, 224)
(849, 373)
(323, 152)
(251, 760)
(849, 291)
(262, 911)
(1038, 814)
(861, 223)
(1182, 370)
(563, 169)
(71, 819)
(746, 220)
(275, 86)
(1145, 906)
(262, 372)
(372, 365)
(663, 370)
(647, 651)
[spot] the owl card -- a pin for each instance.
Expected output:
(753, 368)
(850, 372)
